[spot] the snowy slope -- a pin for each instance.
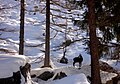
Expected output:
(11, 63)
(34, 30)
(35, 39)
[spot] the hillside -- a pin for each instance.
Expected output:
(35, 40)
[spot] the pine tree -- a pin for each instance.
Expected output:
(95, 71)
(47, 38)
(21, 38)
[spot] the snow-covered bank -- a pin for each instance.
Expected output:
(11, 63)
(74, 79)
(13, 67)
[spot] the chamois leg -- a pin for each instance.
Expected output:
(79, 65)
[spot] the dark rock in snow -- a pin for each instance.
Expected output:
(25, 70)
(12, 67)
(46, 75)
(89, 78)
(106, 67)
(64, 60)
(60, 75)
(15, 79)
(33, 76)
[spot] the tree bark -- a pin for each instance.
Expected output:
(95, 71)
(47, 41)
(21, 38)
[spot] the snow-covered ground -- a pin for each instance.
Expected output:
(35, 41)
(11, 63)
(74, 79)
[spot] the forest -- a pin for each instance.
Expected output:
(59, 41)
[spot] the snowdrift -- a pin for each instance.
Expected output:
(14, 68)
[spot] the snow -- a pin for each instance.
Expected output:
(35, 44)
(114, 63)
(11, 63)
(74, 79)
(107, 76)
(74, 76)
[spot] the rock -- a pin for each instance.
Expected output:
(116, 80)
(33, 76)
(89, 78)
(64, 60)
(12, 67)
(15, 79)
(25, 70)
(60, 75)
(46, 75)
(106, 67)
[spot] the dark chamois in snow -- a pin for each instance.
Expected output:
(78, 59)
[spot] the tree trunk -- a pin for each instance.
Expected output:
(95, 71)
(21, 38)
(47, 41)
